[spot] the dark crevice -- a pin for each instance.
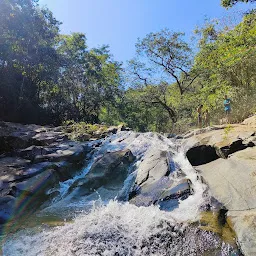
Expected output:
(205, 154)
(238, 145)
(201, 155)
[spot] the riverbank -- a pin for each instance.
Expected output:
(144, 169)
(225, 156)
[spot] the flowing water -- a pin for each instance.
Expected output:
(105, 223)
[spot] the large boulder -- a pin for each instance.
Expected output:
(224, 140)
(233, 180)
(109, 172)
(36, 185)
(226, 159)
(12, 168)
(155, 183)
(17, 136)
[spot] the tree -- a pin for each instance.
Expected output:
(169, 52)
(229, 61)
(230, 3)
(27, 57)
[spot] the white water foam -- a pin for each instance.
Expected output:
(117, 229)
(124, 229)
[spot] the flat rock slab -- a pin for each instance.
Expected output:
(153, 168)
(37, 184)
(251, 121)
(220, 137)
(244, 224)
(12, 167)
(232, 181)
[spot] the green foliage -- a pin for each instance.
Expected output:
(227, 131)
(82, 131)
(47, 77)
(50, 78)
(230, 3)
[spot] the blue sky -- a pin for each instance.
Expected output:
(119, 23)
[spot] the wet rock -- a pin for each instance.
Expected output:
(36, 185)
(109, 171)
(11, 143)
(7, 204)
(155, 180)
(153, 168)
(180, 190)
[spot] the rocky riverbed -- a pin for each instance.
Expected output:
(46, 172)
(225, 156)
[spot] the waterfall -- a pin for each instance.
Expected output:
(105, 223)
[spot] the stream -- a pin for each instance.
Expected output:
(104, 222)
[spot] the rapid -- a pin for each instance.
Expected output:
(104, 222)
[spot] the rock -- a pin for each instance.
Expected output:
(47, 138)
(32, 151)
(37, 168)
(36, 185)
(12, 168)
(225, 140)
(112, 129)
(232, 177)
(7, 204)
(152, 168)
(155, 183)
(84, 137)
(244, 224)
(109, 171)
(233, 181)
(71, 152)
(180, 190)
(251, 121)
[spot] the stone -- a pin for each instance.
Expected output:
(7, 205)
(112, 129)
(244, 224)
(84, 137)
(12, 168)
(36, 185)
(153, 167)
(251, 121)
(155, 183)
(225, 140)
(71, 153)
(32, 151)
(109, 171)
(231, 177)
(233, 181)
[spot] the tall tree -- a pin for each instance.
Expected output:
(169, 52)
(27, 57)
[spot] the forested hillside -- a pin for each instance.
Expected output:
(49, 78)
